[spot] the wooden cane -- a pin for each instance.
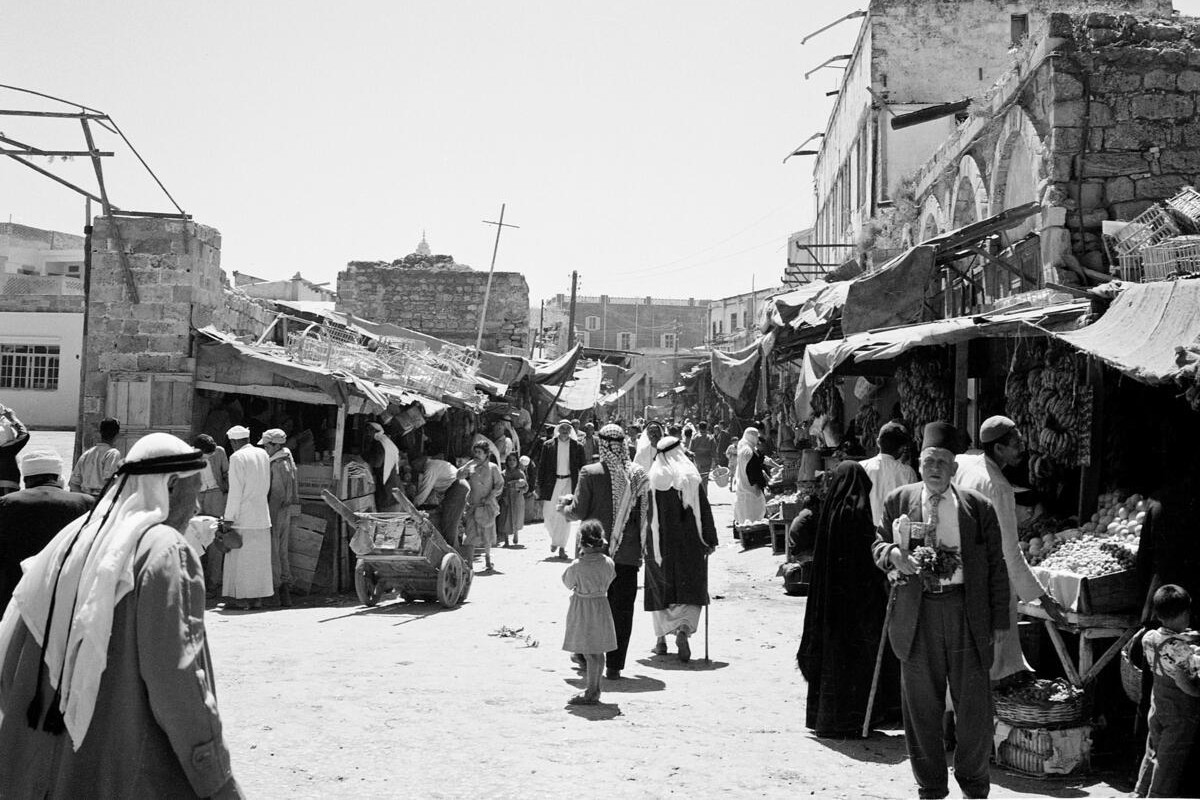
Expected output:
(887, 617)
(706, 607)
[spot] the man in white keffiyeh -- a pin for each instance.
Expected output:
(105, 633)
(681, 535)
(614, 492)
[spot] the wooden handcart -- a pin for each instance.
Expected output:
(403, 551)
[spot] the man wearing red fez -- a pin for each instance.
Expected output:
(942, 545)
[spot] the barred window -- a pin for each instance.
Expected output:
(29, 366)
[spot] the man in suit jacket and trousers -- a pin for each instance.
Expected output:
(558, 470)
(944, 620)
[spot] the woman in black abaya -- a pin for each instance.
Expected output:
(843, 621)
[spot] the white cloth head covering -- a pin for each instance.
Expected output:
(644, 454)
(273, 436)
(71, 588)
(391, 453)
(672, 469)
(41, 461)
(237, 433)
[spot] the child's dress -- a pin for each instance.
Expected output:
(1173, 712)
(590, 626)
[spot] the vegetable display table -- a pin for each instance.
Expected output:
(1089, 627)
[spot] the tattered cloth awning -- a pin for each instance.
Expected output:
(736, 376)
(559, 370)
(822, 358)
(1139, 333)
(896, 293)
(812, 305)
(626, 387)
(579, 394)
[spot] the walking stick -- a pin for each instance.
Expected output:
(706, 607)
(887, 617)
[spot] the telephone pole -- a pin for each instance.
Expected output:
(674, 396)
(487, 292)
(540, 328)
(571, 315)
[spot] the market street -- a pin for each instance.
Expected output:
(337, 700)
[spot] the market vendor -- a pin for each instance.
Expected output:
(442, 493)
(1004, 447)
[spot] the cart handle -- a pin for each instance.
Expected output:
(344, 511)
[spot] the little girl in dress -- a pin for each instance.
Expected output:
(590, 628)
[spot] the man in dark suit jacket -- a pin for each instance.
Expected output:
(559, 463)
(30, 518)
(944, 619)
(594, 500)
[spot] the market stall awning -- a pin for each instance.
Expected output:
(822, 358)
(1139, 333)
(626, 387)
(736, 375)
(560, 369)
(811, 305)
(578, 394)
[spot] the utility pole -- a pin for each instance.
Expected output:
(674, 395)
(540, 328)
(487, 292)
(571, 315)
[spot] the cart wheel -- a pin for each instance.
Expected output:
(366, 586)
(450, 580)
(468, 579)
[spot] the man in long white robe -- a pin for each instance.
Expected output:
(749, 501)
(558, 470)
(247, 574)
(1002, 446)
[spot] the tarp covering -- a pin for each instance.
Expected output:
(811, 305)
(823, 358)
(892, 295)
(560, 369)
(736, 375)
(579, 394)
(625, 389)
(1139, 332)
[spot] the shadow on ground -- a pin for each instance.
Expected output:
(627, 685)
(597, 713)
(673, 664)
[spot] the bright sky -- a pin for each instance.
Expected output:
(639, 143)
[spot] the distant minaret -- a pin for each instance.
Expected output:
(423, 247)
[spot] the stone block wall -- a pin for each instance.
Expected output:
(437, 302)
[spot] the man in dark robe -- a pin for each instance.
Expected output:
(30, 518)
(681, 536)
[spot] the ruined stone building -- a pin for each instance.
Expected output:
(435, 295)
(296, 288)
(912, 55)
(41, 324)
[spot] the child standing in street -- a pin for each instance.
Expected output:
(590, 628)
(1175, 700)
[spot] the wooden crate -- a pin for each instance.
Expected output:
(305, 553)
(312, 479)
(1108, 594)
(779, 532)
(319, 519)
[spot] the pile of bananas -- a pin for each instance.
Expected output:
(1043, 398)
(827, 400)
(925, 386)
(867, 422)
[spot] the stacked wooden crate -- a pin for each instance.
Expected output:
(308, 534)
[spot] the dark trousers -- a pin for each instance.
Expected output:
(944, 655)
(450, 513)
(622, 596)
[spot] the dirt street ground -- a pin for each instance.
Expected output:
(332, 699)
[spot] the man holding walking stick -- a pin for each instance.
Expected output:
(946, 540)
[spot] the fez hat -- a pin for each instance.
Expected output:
(942, 435)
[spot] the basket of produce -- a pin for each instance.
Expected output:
(1042, 753)
(1042, 703)
(720, 476)
(753, 533)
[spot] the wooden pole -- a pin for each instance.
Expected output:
(487, 292)
(541, 323)
(340, 562)
(571, 313)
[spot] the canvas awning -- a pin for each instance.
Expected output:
(736, 375)
(812, 305)
(560, 369)
(626, 387)
(578, 394)
(822, 358)
(1139, 333)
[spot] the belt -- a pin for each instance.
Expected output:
(564, 477)
(942, 589)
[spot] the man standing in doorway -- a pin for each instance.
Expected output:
(99, 462)
(283, 502)
(558, 470)
(247, 572)
(946, 613)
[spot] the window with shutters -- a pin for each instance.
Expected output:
(591, 323)
(624, 341)
(29, 366)
(1019, 24)
(733, 321)
(668, 340)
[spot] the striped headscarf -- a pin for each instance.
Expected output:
(624, 476)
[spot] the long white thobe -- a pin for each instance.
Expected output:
(247, 570)
(886, 474)
(976, 471)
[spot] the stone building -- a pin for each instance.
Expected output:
(296, 288)
(911, 55)
(734, 321)
(1096, 121)
(41, 324)
(435, 295)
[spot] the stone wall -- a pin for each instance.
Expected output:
(439, 302)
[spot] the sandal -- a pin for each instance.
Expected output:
(660, 647)
(584, 699)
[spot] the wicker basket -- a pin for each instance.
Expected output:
(1070, 714)
(720, 476)
(1150, 227)
(1029, 751)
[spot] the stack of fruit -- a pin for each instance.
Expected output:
(1043, 398)
(924, 385)
(1043, 692)
(1105, 544)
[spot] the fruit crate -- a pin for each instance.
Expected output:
(1114, 593)
(1039, 753)
(1187, 204)
(1150, 227)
